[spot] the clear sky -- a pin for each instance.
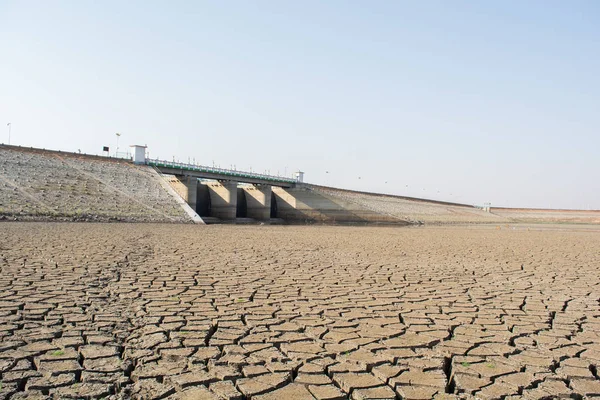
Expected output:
(470, 101)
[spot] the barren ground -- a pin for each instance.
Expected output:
(231, 312)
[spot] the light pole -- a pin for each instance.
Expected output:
(117, 151)
(9, 126)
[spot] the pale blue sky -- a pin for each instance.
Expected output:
(469, 101)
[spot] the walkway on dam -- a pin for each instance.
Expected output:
(201, 171)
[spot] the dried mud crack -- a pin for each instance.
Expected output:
(98, 311)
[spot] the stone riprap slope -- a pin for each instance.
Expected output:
(138, 311)
(414, 210)
(51, 185)
(549, 216)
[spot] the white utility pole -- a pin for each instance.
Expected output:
(9, 126)
(117, 151)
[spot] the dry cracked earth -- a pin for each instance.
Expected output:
(109, 311)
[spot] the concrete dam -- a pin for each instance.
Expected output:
(227, 196)
(39, 184)
(234, 202)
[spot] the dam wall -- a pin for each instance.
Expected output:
(413, 210)
(537, 215)
(38, 184)
(305, 205)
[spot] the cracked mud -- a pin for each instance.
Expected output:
(101, 311)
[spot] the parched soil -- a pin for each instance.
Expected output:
(148, 311)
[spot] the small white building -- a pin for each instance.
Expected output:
(139, 154)
(299, 176)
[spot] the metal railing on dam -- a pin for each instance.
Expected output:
(218, 172)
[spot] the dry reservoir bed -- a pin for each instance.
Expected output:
(205, 312)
